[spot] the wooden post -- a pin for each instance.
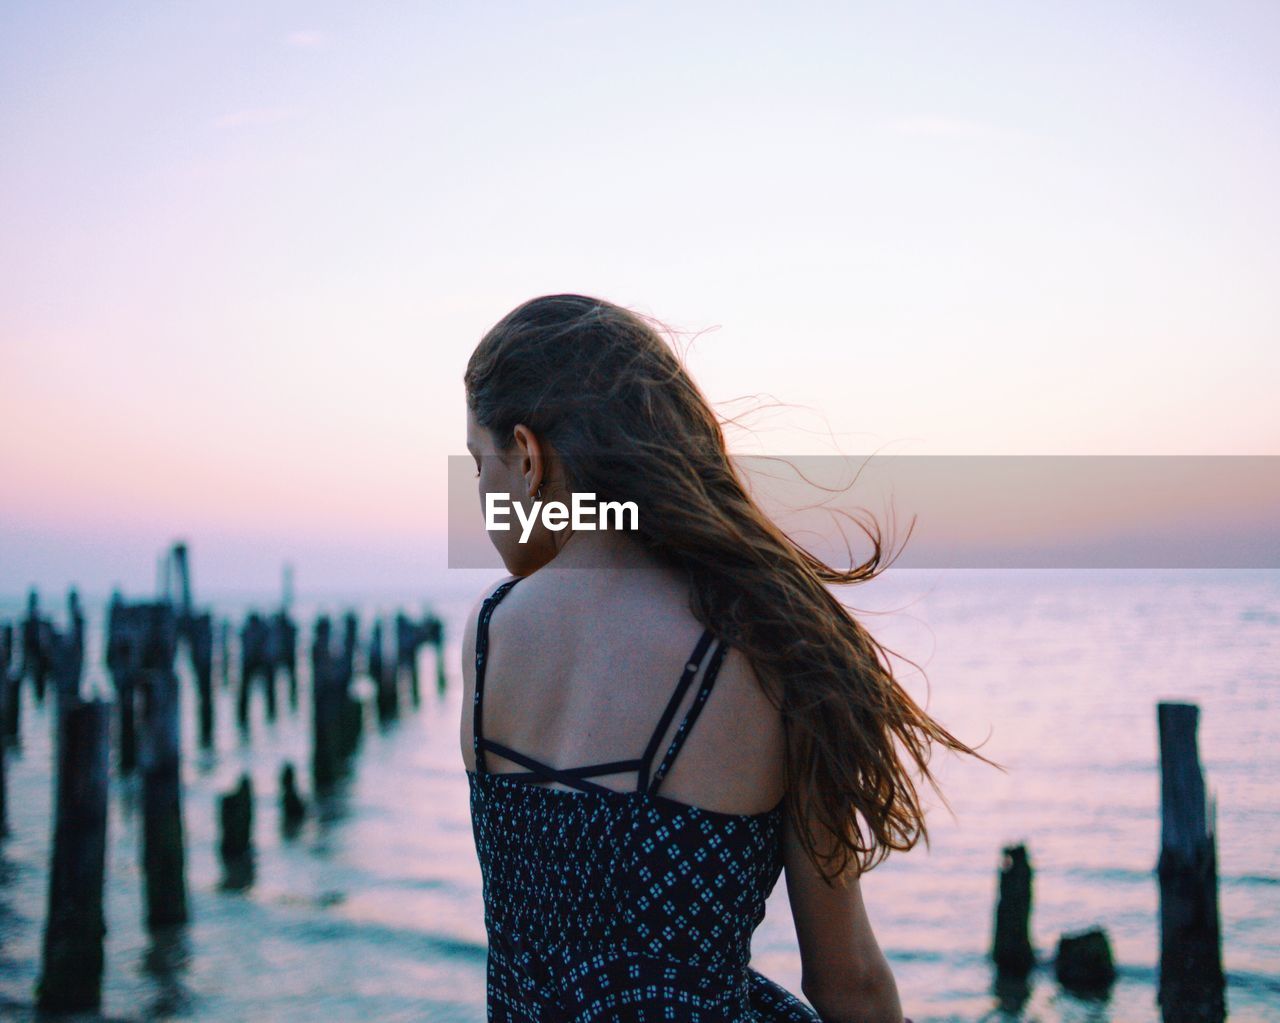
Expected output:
(270, 666)
(271, 656)
(248, 668)
(202, 662)
(65, 660)
(34, 665)
(126, 635)
(71, 978)
(163, 852)
(1192, 985)
(11, 705)
(384, 681)
(235, 813)
(408, 641)
(287, 646)
(435, 636)
(76, 617)
(5, 683)
(325, 709)
(235, 826)
(224, 651)
(1083, 964)
(182, 569)
(351, 709)
(292, 809)
(1011, 949)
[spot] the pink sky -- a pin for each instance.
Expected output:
(246, 256)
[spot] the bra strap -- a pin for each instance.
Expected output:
(704, 690)
(682, 687)
(545, 772)
(482, 649)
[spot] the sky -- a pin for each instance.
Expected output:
(246, 249)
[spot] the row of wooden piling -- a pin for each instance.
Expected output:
(142, 643)
(141, 649)
(1192, 985)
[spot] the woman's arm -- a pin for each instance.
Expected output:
(844, 975)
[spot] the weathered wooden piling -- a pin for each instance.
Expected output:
(126, 641)
(269, 665)
(11, 704)
(182, 569)
(258, 663)
(433, 633)
(163, 851)
(326, 709)
(384, 679)
(251, 652)
(75, 615)
(350, 639)
(201, 636)
(285, 648)
(45, 654)
(35, 663)
(1192, 985)
(64, 654)
(1011, 948)
(235, 823)
(1083, 963)
(292, 808)
(410, 637)
(407, 655)
(224, 651)
(5, 683)
(71, 977)
(352, 711)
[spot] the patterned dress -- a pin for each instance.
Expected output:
(603, 904)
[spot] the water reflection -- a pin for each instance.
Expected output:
(367, 905)
(166, 961)
(238, 873)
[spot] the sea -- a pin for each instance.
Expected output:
(373, 910)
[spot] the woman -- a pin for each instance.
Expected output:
(626, 854)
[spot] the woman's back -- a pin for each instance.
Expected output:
(616, 901)
(582, 662)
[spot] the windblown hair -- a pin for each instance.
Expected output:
(602, 386)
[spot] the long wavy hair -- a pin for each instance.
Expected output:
(604, 386)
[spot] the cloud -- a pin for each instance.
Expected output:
(945, 127)
(255, 116)
(307, 39)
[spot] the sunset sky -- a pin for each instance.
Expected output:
(247, 248)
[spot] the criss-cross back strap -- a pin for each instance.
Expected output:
(643, 782)
(482, 649)
(574, 777)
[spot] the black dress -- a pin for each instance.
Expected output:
(621, 905)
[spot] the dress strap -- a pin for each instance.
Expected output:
(574, 777)
(482, 649)
(643, 781)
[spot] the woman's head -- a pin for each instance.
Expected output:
(573, 394)
(580, 395)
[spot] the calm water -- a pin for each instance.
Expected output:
(373, 911)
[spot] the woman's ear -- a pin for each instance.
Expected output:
(532, 464)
